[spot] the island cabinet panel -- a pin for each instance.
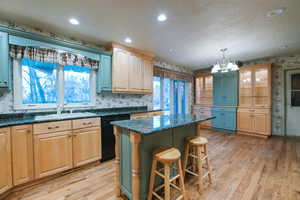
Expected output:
(22, 154)
(255, 100)
(52, 153)
(104, 74)
(86, 145)
(5, 160)
(148, 143)
(132, 70)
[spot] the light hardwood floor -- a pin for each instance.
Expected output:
(244, 167)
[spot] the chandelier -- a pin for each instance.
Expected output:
(225, 65)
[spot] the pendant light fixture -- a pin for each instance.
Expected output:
(225, 65)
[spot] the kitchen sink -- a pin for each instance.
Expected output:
(64, 116)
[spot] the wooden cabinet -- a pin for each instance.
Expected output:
(148, 114)
(255, 94)
(254, 121)
(104, 74)
(132, 70)
(5, 160)
(203, 89)
(52, 148)
(203, 110)
(22, 153)
(86, 146)
(4, 61)
(86, 141)
(255, 86)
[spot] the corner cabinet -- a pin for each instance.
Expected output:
(132, 70)
(104, 74)
(4, 61)
(5, 160)
(255, 106)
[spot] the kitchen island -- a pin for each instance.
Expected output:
(137, 139)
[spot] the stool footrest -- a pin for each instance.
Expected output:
(190, 172)
(157, 196)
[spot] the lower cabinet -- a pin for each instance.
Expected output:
(203, 110)
(52, 153)
(86, 146)
(22, 153)
(225, 118)
(5, 160)
(256, 121)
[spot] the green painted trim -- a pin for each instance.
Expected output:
(51, 40)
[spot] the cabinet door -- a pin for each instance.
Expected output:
(120, 70)
(136, 74)
(218, 121)
(217, 91)
(261, 87)
(262, 121)
(148, 75)
(229, 121)
(104, 76)
(245, 89)
(52, 153)
(5, 160)
(4, 65)
(208, 89)
(244, 120)
(86, 146)
(199, 89)
(22, 154)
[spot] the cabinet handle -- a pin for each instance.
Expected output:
(88, 123)
(53, 127)
(70, 135)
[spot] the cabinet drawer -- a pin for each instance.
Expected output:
(156, 113)
(85, 123)
(50, 127)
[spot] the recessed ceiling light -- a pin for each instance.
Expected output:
(74, 21)
(276, 12)
(172, 50)
(161, 17)
(128, 40)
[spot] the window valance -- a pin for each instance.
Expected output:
(52, 56)
(166, 73)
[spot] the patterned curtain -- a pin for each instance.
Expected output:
(52, 55)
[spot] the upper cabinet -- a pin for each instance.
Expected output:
(225, 91)
(104, 82)
(4, 61)
(132, 70)
(204, 89)
(255, 86)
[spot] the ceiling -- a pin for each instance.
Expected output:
(195, 30)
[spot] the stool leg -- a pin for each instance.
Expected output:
(194, 160)
(181, 178)
(208, 165)
(186, 157)
(200, 170)
(152, 179)
(167, 182)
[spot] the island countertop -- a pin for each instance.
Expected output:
(158, 123)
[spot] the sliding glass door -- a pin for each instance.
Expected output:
(179, 97)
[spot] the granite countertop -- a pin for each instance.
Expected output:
(29, 118)
(158, 123)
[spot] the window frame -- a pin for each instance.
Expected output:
(18, 95)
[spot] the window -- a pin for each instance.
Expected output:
(46, 85)
(295, 93)
(171, 95)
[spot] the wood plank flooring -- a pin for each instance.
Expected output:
(244, 168)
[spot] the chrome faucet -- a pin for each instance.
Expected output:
(60, 108)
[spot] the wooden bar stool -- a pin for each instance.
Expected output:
(196, 149)
(168, 158)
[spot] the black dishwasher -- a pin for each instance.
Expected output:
(107, 135)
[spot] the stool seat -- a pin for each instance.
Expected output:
(168, 155)
(197, 141)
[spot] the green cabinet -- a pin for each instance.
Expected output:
(225, 92)
(225, 118)
(4, 61)
(104, 75)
